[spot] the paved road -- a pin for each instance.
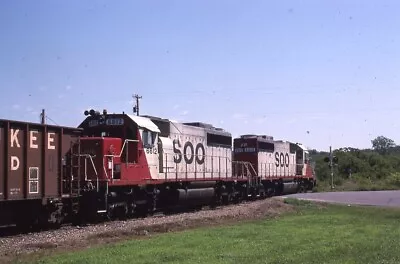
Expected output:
(375, 198)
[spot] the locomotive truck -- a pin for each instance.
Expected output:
(121, 165)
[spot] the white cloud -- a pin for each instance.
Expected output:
(16, 106)
(185, 112)
(60, 96)
(42, 88)
(176, 106)
(68, 87)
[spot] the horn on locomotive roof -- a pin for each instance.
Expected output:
(92, 112)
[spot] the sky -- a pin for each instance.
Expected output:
(319, 73)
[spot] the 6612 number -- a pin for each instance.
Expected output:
(151, 151)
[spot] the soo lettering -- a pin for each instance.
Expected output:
(190, 153)
(281, 160)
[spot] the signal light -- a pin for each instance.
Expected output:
(334, 159)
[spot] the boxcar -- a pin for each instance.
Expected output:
(33, 171)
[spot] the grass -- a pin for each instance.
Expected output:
(313, 234)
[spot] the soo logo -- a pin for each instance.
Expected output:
(190, 153)
(281, 160)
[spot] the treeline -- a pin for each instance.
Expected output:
(377, 168)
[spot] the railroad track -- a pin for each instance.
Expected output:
(70, 236)
(13, 230)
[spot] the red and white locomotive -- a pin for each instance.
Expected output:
(282, 166)
(121, 165)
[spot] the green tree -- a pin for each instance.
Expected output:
(382, 144)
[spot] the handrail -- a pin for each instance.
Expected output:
(268, 169)
(122, 149)
(90, 157)
(224, 167)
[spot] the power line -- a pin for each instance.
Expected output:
(52, 120)
(44, 117)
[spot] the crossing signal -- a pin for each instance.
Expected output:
(335, 160)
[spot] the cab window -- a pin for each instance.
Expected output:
(306, 158)
(148, 138)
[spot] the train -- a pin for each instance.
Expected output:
(124, 165)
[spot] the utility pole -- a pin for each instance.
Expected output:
(331, 164)
(136, 107)
(331, 160)
(43, 117)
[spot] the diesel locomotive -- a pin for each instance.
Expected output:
(122, 165)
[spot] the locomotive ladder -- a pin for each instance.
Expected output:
(75, 165)
(254, 179)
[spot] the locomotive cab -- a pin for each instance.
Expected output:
(123, 147)
(304, 166)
